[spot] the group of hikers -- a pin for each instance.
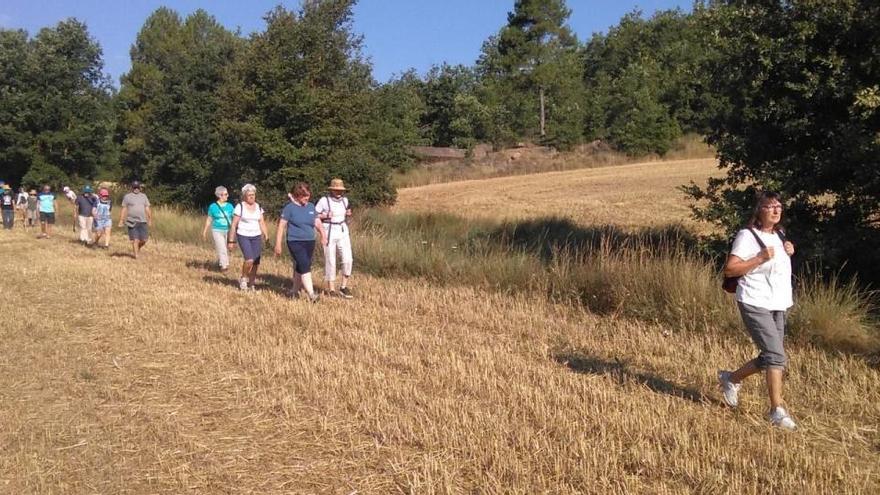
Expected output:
(300, 226)
(758, 266)
(91, 211)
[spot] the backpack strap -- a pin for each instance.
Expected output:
(758, 238)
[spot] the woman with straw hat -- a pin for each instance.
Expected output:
(334, 211)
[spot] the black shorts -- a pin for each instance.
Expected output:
(301, 252)
(47, 218)
(138, 232)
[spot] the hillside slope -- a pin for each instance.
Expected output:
(641, 194)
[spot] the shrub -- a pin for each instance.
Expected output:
(834, 314)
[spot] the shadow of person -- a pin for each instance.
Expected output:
(267, 282)
(622, 374)
(203, 265)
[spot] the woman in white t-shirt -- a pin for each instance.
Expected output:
(249, 228)
(334, 211)
(760, 257)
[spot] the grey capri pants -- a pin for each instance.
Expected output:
(767, 329)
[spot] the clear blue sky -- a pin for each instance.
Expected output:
(398, 34)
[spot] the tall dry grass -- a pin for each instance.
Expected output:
(655, 275)
(158, 376)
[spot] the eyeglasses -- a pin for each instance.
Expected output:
(772, 207)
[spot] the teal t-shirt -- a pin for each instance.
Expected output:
(218, 220)
(47, 202)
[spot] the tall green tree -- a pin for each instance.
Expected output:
(304, 105)
(400, 107)
(799, 112)
(644, 81)
(169, 103)
(532, 70)
(56, 116)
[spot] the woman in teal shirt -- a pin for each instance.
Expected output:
(219, 220)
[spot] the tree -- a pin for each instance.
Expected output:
(799, 112)
(532, 70)
(303, 105)
(56, 114)
(400, 111)
(169, 104)
(644, 84)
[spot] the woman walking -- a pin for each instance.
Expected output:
(334, 211)
(300, 220)
(219, 220)
(249, 228)
(103, 220)
(760, 257)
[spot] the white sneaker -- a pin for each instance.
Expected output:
(729, 390)
(243, 283)
(779, 417)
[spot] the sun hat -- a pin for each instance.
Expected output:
(337, 185)
(87, 189)
(103, 193)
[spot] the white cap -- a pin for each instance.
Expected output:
(65, 189)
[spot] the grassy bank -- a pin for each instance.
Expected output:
(653, 274)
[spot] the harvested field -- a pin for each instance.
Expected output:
(158, 376)
(638, 195)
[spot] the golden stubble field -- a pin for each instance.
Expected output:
(636, 195)
(158, 376)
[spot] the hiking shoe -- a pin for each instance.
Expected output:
(313, 298)
(243, 283)
(331, 293)
(779, 417)
(729, 390)
(345, 293)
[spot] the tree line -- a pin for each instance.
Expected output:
(786, 90)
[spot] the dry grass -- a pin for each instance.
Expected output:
(637, 195)
(157, 376)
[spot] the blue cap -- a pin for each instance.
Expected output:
(87, 189)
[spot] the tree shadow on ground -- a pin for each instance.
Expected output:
(118, 254)
(622, 374)
(546, 237)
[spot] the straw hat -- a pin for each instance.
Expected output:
(337, 185)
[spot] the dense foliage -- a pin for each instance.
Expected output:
(799, 111)
(56, 118)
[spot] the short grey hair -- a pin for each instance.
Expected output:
(248, 188)
(220, 190)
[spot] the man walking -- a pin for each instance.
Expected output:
(83, 207)
(137, 217)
